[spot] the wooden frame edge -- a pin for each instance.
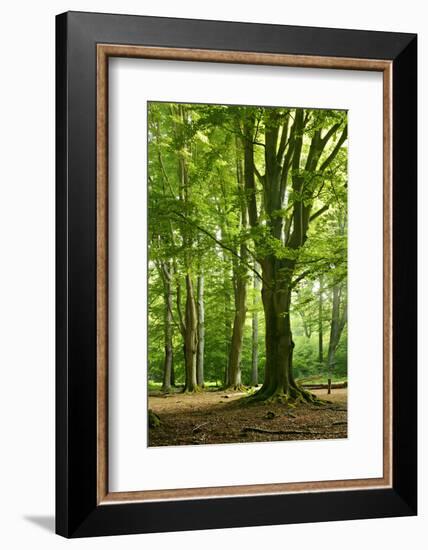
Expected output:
(387, 274)
(104, 51)
(241, 57)
(102, 275)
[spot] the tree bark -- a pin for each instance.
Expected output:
(255, 334)
(227, 314)
(190, 338)
(234, 381)
(306, 325)
(320, 320)
(337, 325)
(279, 383)
(188, 325)
(201, 333)
(338, 320)
(276, 300)
(168, 360)
(240, 274)
(227, 338)
(172, 374)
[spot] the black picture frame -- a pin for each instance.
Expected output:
(77, 512)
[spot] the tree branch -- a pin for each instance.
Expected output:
(180, 315)
(336, 149)
(283, 141)
(319, 212)
(300, 278)
(220, 243)
(332, 130)
(249, 170)
(259, 176)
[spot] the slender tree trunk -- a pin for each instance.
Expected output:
(320, 320)
(190, 338)
(238, 329)
(227, 314)
(240, 274)
(172, 374)
(165, 273)
(188, 325)
(255, 333)
(306, 325)
(227, 335)
(201, 333)
(336, 327)
(168, 360)
(338, 320)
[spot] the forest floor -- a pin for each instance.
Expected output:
(224, 417)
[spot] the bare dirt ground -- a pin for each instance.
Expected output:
(224, 417)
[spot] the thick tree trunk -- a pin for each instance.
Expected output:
(201, 333)
(276, 299)
(191, 338)
(255, 334)
(279, 383)
(167, 367)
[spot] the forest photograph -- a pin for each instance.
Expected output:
(247, 273)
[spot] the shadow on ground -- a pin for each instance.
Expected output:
(45, 522)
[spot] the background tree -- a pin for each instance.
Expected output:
(201, 333)
(255, 331)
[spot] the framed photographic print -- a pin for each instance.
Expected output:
(236, 274)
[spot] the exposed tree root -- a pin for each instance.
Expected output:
(199, 426)
(237, 388)
(294, 397)
(325, 406)
(283, 432)
(194, 389)
(154, 420)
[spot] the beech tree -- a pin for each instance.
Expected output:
(255, 332)
(239, 280)
(201, 333)
(300, 145)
